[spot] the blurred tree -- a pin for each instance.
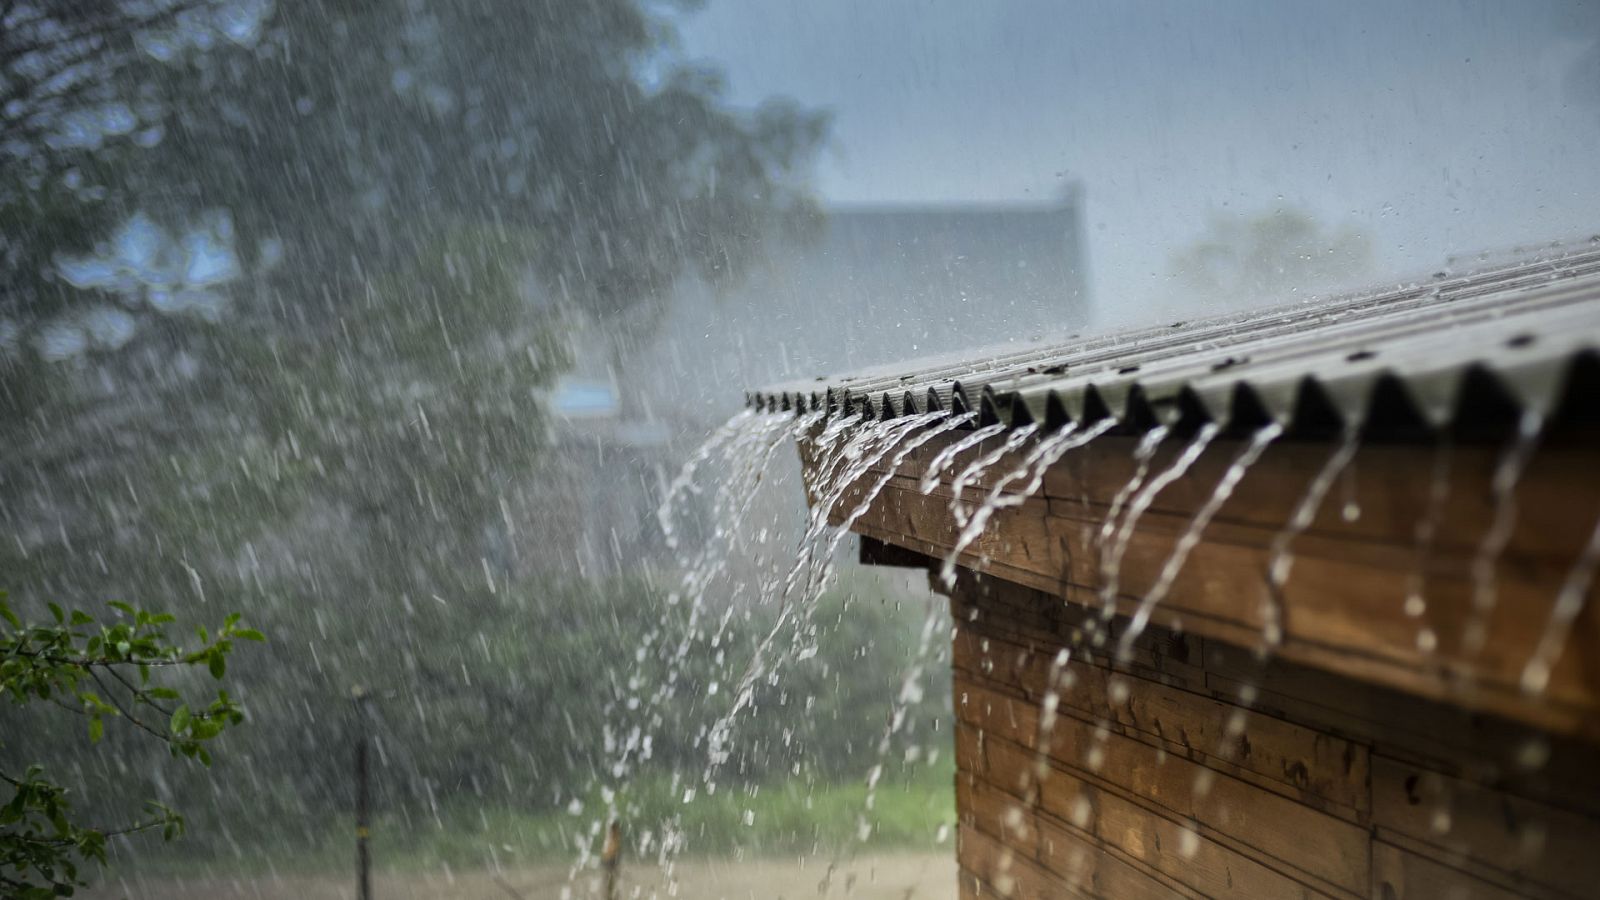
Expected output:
(289, 348)
(1273, 255)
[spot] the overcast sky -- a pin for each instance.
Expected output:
(1433, 127)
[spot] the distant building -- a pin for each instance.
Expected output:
(876, 285)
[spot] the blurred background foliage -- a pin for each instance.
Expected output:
(277, 336)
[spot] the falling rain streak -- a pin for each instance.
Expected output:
(1280, 556)
(853, 459)
(1190, 538)
(1503, 488)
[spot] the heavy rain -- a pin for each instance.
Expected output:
(753, 449)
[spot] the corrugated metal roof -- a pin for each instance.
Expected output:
(1453, 353)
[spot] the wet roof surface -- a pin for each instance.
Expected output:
(1456, 353)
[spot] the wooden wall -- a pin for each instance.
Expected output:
(1344, 603)
(1195, 770)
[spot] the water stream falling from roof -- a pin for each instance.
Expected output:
(843, 463)
(1426, 536)
(1105, 537)
(1190, 538)
(947, 455)
(1503, 488)
(739, 453)
(1569, 604)
(1280, 556)
(975, 470)
(1112, 566)
(1034, 464)
(852, 460)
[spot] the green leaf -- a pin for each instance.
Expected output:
(79, 617)
(55, 610)
(249, 634)
(97, 730)
(161, 693)
(8, 615)
(218, 665)
(181, 718)
(121, 607)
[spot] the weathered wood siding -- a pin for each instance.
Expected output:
(1373, 753)
(1196, 770)
(1344, 602)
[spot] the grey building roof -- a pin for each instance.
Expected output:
(882, 283)
(1454, 353)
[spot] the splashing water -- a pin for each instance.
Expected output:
(894, 465)
(1427, 533)
(892, 437)
(847, 462)
(1111, 566)
(1507, 475)
(946, 456)
(1280, 556)
(739, 452)
(1039, 460)
(1143, 453)
(684, 482)
(1569, 603)
(910, 694)
(1190, 538)
(977, 468)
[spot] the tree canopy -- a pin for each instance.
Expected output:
(282, 333)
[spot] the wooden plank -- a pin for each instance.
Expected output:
(1080, 860)
(1413, 730)
(1388, 486)
(1344, 603)
(997, 814)
(1519, 839)
(1398, 874)
(1161, 843)
(1004, 873)
(1300, 762)
(1325, 848)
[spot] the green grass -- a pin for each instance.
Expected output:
(916, 811)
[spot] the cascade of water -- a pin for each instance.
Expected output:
(947, 455)
(1143, 453)
(818, 578)
(864, 450)
(1280, 556)
(684, 482)
(856, 457)
(1569, 603)
(739, 453)
(1503, 488)
(889, 471)
(1111, 566)
(978, 467)
(910, 694)
(1427, 533)
(1038, 460)
(1192, 533)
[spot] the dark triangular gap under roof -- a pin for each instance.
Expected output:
(1485, 408)
(1577, 407)
(1392, 414)
(1314, 415)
